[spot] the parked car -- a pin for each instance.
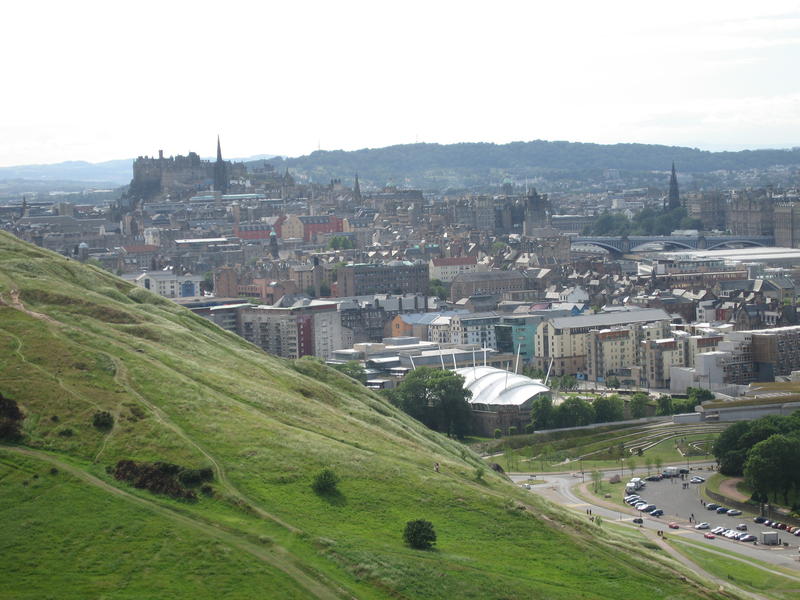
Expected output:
(648, 508)
(718, 530)
(638, 520)
(657, 513)
(759, 519)
(696, 480)
(748, 538)
(673, 525)
(709, 535)
(734, 512)
(702, 525)
(712, 506)
(741, 527)
(722, 510)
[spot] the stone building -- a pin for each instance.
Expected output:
(394, 277)
(490, 282)
(787, 224)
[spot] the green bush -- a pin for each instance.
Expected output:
(103, 420)
(497, 434)
(325, 482)
(512, 430)
(419, 534)
(529, 428)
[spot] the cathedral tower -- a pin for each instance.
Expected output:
(220, 172)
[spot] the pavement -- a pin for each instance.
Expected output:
(678, 505)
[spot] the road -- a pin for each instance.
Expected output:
(559, 489)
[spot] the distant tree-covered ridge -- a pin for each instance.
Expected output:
(466, 163)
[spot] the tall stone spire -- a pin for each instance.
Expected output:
(674, 199)
(220, 172)
(357, 190)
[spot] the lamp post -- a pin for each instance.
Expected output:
(582, 479)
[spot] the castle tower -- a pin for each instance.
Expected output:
(220, 172)
(673, 199)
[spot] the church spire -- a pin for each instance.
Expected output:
(220, 172)
(674, 199)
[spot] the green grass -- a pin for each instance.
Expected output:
(665, 450)
(740, 573)
(184, 391)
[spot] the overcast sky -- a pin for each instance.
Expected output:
(102, 80)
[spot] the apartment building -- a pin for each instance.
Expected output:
(309, 327)
(565, 340)
(395, 277)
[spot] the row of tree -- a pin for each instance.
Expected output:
(436, 398)
(648, 221)
(576, 411)
(766, 451)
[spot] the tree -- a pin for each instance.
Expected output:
(698, 395)
(648, 463)
(352, 369)
(608, 409)
(597, 477)
(437, 288)
(325, 482)
(438, 399)
(341, 242)
(419, 534)
(11, 418)
(664, 405)
(639, 405)
(573, 412)
(659, 463)
(633, 464)
(542, 412)
(547, 454)
(772, 465)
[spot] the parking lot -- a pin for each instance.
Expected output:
(670, 496)
(683, 503)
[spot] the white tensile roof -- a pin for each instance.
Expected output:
(490, 385)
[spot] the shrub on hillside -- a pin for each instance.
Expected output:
(497, 434)
(11, 418)
(103, 420)
(325, 482)
(162, 478)
(419, 534)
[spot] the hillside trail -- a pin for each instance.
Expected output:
(122, 378)
(727, 487)
(273, 555)
(694, 567)
(17, 304)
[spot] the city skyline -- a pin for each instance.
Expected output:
(95, 85)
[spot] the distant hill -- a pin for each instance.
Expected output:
(107, 373)
(112, 172)
(438, 166)
(117, 172)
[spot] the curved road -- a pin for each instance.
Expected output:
(558, 489)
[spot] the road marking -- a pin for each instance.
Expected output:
(579, 504)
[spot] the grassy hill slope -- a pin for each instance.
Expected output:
(75, 340)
